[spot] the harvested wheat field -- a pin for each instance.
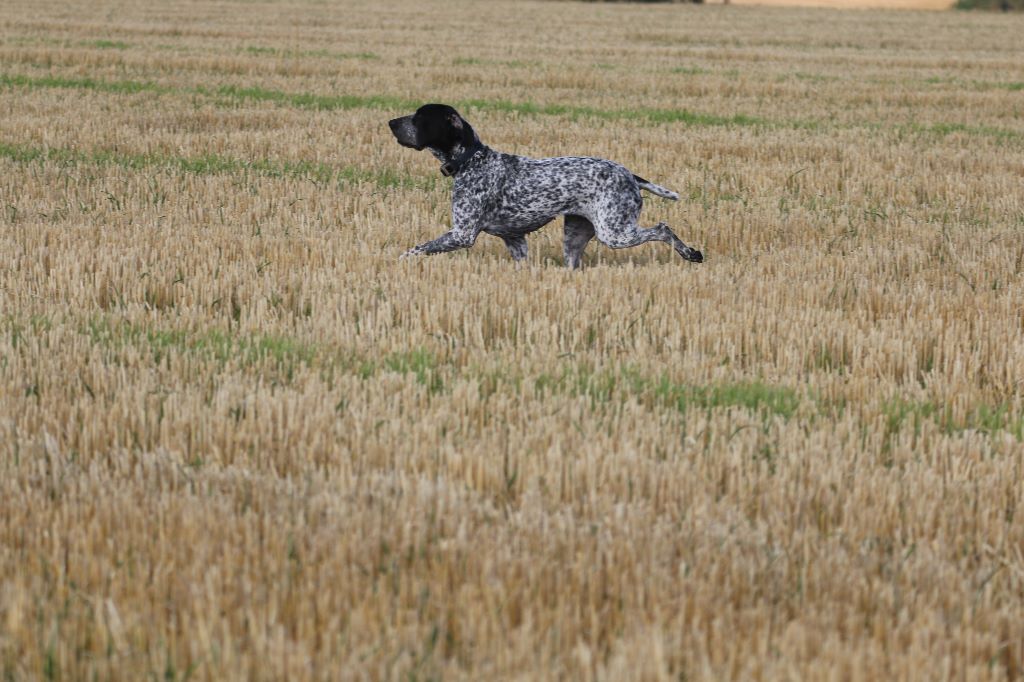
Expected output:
(240, 440)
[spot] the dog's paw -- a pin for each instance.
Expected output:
(693, 255)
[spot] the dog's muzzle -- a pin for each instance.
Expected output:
(404, 132)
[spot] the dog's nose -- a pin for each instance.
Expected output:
(393, 123)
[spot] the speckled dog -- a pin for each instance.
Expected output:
(510, 196)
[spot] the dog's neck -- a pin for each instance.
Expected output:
(452, 160)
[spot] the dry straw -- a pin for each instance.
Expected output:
(240, 440)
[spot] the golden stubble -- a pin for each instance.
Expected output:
(240, 440)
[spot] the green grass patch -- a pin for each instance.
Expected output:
(1011, 86)
(689, 70)
(991, 5)
(223, 347)
(216, 345)
(383, 102)
(303, 100)
(265, 51)
(210, 164)
(420, 363)
(755, 396)
(944, 129)
(605, 387)
(815, 77)
(261, 51)
(281, 355)
(108, 44)
(233, 94)
(474, 61)
(988, 419)
(126, 87)
(645, 114)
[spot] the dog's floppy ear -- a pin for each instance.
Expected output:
(463, 131)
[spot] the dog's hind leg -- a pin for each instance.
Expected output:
(516, 247)
(625, 235)
(578, 233)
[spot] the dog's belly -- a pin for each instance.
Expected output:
(512, 218)
(517, 227)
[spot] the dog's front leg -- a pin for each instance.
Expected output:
(449, 241)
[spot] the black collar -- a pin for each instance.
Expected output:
(451, 168)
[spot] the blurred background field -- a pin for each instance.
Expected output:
(240, 440)
(852, 4)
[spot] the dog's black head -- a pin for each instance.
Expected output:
(437, 127)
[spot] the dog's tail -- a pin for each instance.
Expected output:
(655, 189)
